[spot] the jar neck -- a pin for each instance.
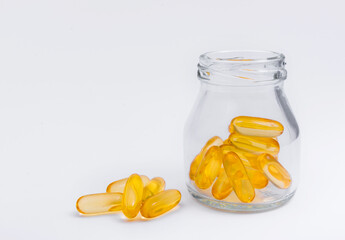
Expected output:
(254, 88)
(246, 68)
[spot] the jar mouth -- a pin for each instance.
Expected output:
(242, 67)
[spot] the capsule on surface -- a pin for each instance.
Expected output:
(209, 168)
(274, 171)
(99, 203)
(214, 141)
(155, 186)
(160, 203)
(119, 185)
(238, 176)
(222, 186)
(132, 196)
(256, 145)
(254, 126)
(257, 179)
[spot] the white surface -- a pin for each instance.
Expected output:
(92, 91)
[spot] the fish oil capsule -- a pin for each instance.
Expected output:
(254, 126)
(274, 171)
(160, 203)
(248, 159)
(119, 185)
(238, 176)
(215, 141)
(257, 179)
(195, 165)
(132, 196)
(222, 187)
(227, 141)
(156, 185)
(209, 168)
(255, 145)
(99, 203)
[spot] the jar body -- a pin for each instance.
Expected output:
(216, 106)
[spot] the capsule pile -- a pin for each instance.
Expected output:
(132, 195)
(245, 161)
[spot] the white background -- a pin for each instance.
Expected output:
(92, 91)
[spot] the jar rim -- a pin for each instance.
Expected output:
(240, 56)
(235, 67)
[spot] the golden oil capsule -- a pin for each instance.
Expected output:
(214, 141)
(195, 165)
(119, 185)
(248, 159)
(222, 186)
(227, 141)
(99, 203)
(209, 168)
(160, 203)
(132, 196)
(254, 126)
(257, 178)
(156, 185)
(238, 176)
(274, 171)
(255, 145)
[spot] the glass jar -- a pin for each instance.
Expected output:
(241, 140)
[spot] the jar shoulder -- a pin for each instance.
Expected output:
(213, 111)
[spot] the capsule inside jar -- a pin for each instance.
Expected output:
(248, 159)
(255, 126)
(214, 141)
(237, 174)
(222, 186)
(209, 168)
(255, 145)
(257, 179)
(274, 171)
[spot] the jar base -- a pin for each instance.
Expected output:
(239, 207)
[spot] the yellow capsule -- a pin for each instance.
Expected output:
(227, 141)
(222, 187)
(209, 168)
(160, 203)
(238, 176)
(99, 203)
(195, 165)
(215, 141)
(119, 185)
(132, 196)
(248, 159)
(156, 185)
(274, 171)
(257, 178)
(255, 145)
(254, 126)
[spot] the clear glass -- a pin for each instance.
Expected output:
(242, 83)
